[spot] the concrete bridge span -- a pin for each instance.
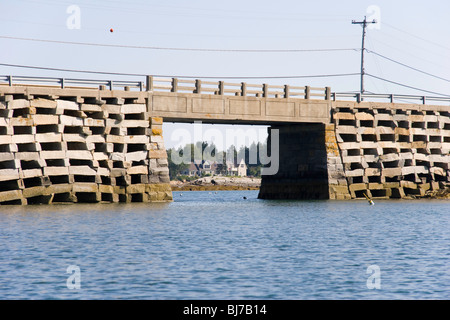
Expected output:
(103, 144)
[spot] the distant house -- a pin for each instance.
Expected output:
(237, 168)
(201, 168)
(205, 167)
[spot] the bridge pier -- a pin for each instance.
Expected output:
(382, 151)
(310, 166)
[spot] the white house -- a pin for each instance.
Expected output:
(237, 169)
(205, 167)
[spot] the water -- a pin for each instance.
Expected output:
(209, 245)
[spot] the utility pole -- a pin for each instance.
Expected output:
(364, 24)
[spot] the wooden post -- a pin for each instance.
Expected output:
(392, 98)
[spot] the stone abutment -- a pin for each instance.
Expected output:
(381, 151)
(80, 150)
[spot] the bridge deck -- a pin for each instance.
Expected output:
(189, 107)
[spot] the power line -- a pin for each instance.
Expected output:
(180, 76)
(407, 86)
(407, 66)
(180, 49)
(416, 36)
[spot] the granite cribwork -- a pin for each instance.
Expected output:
(393, 152)
(380, 151)
(66, 144)
(64, 150)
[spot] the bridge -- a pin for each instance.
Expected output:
(82, 140)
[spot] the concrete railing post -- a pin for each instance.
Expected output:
(286, 91)
(149, 83)
(221, 87)
(307, 92)
(265, 90)
(174, 85)
(327, 93)
(198, 86)
(243, 89)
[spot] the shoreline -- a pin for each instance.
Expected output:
(213, 188)
(245, 184)
(217, 184)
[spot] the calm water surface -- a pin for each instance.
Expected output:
(208, 245)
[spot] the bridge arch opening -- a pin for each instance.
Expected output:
(200, 149)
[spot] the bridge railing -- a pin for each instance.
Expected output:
(198, 86)
(71, 83)
(242, 89)
(398, 98)
(180, 85)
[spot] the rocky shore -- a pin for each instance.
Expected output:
(246, 183)
(217, 183)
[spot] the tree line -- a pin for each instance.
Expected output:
(255, 156)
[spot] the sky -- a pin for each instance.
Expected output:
(409, 44)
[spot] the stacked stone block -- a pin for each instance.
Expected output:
(392, 152)
(60, 150)
(337, 182)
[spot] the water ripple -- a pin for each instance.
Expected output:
(219, 246)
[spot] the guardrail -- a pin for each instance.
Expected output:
(199, 86)
(237, 89)
(72, 83)
(178, 85)
(389, 97)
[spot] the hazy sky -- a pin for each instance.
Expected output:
(414, 33)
